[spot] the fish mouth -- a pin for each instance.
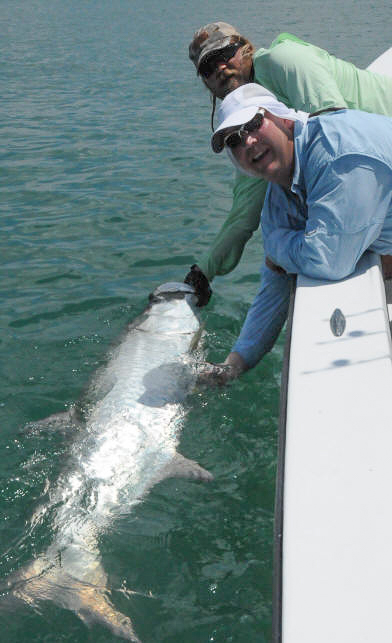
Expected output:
(171, 290)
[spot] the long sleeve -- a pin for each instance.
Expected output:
(347, 202)
(242, 221)
(300, 75)
(265, 317)
(309, 78)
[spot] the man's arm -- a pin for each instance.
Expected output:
(261, 328)
(265, 317)
(347, 206)
(242, 221)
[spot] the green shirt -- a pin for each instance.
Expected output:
(307, 78)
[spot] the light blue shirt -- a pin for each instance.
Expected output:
(339, 205)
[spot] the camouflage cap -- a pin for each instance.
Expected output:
(211, 37)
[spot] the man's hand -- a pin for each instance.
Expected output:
(220, 374)
(199, 281)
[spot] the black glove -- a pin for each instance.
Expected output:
(199, 281)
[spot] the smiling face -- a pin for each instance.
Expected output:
(268, 152)
(230, 74)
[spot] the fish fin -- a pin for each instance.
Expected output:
(196, 338)
(42, 582)
(181, 467)
(65, 422)
(96, 607)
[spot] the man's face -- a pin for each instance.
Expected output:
(268, 152)
(228, 75)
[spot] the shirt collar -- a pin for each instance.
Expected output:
(298, 183)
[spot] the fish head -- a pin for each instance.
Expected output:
(174, 290)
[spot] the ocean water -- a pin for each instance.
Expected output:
(108, 188)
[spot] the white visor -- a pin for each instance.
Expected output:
(242, 104)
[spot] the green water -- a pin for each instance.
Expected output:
(108, 188)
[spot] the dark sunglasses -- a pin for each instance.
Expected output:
(239, 135)
(210, 62)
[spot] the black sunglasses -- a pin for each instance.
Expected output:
(239, 135)
(208, 65)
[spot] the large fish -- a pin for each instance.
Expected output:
(128, 443)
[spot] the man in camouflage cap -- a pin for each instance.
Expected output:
(222, 57)
(300, 75)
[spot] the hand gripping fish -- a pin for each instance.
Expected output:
(127, 444)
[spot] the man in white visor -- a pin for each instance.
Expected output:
(329, 199)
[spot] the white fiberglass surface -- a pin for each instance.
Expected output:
(337, 562)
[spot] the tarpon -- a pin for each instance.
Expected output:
(128, 442)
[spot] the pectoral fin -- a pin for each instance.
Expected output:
(64, 422)
(181, 467)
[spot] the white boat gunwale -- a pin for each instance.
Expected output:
(383, 64)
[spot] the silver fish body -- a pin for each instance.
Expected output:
(128, 444)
